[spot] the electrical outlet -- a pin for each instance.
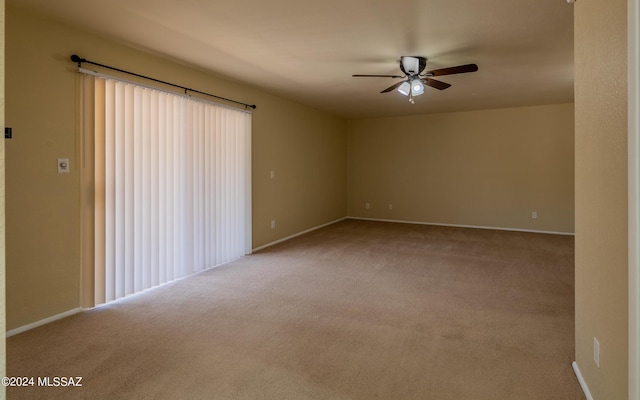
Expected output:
(596, 352)
(390, 206)
(272, 175)
(273, 224)
(534, 214)
(367, 205)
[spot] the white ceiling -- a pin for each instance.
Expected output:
(307, 50)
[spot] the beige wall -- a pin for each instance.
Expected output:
(482, 168)
(601, 194)
(306, 148)
(3, 314)
(308, 156)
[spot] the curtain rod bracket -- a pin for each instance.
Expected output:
(77, 59)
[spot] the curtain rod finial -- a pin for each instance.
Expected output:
(75, 58)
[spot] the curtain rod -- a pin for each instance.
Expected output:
(79, 60)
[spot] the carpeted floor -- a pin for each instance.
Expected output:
(356, 310)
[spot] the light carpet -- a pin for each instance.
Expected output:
(356, 310)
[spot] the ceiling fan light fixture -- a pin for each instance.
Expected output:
(414, 80)
(417, 87)
(405, 88)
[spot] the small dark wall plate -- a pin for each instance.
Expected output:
(7, 133)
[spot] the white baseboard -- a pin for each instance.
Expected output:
(463, 226)
(583, 384)
(43, 322)
(298, 234)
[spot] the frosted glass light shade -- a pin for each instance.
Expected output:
(417, 87)
(405, 88)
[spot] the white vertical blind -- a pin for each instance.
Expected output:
(172, 187)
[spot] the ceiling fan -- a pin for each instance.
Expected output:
(414, 79)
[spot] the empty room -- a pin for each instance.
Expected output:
(320, 200)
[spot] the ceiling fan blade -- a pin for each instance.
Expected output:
(377, 76)
(392, 87)
(435, 84)
(461, 69)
